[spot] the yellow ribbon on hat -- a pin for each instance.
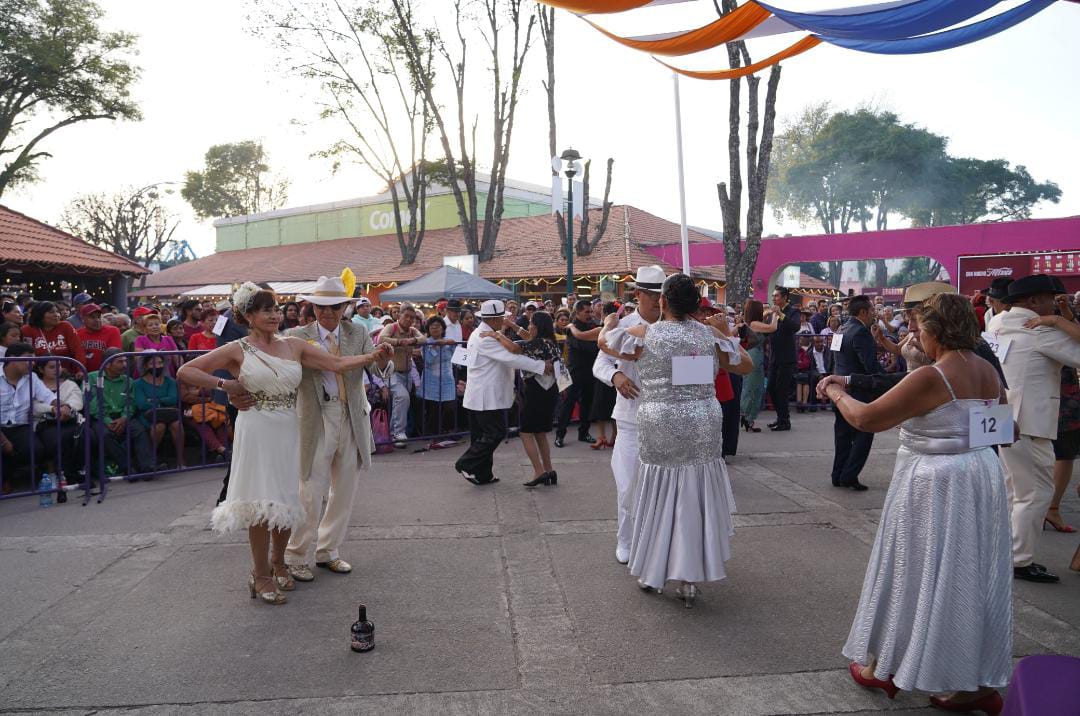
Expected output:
(349, 279)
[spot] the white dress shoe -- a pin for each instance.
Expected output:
(622, 554)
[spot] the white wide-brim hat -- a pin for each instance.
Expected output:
(328, 292)
(492, 309)
(649, 278)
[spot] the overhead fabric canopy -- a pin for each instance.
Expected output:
(446, 282)
(897, 27)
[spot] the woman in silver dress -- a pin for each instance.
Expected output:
(682, 498)
(936, 607)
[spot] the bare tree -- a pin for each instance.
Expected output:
(369, 84)
(132, 223)
(585, 243)
(741, 250)
(496, 20)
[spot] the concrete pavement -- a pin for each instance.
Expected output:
(485, 600)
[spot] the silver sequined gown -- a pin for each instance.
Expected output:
(936, 604)
(682, 497)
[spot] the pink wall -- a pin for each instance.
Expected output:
(943, 244)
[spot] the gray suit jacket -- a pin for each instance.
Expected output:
(355, 341)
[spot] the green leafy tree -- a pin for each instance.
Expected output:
(57, 68)
(916, 269)
(235, 181)
(966, 191)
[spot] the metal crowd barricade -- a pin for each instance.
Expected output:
(434, 409)
(31, 439)
(131, 412)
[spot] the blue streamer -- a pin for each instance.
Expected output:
(948, 39)
(894, 23)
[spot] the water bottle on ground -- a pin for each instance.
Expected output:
(46, 487)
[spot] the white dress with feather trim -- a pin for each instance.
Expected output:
(264, 480)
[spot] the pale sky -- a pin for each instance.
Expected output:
(206, 80)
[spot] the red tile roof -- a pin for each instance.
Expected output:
(527, 247)
(33, 244)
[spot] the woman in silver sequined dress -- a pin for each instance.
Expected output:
(264, 484)
(682, 498)
(936, 607)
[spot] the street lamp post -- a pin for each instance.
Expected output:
(571, 157)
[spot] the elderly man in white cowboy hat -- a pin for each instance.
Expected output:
(335, 433)
(623, 374)
(489, 392)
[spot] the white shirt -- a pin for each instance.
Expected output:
(15, 399)
(819, 360)
(605, 367)
(453, 330)
(329, 377)
(491, 375)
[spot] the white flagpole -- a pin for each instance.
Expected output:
(682, 182)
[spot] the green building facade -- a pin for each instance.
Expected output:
(363, 217)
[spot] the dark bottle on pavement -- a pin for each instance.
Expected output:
(362, 634)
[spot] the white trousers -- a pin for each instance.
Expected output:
(333, 479)
(401, 399)
(1029, 466)
(625, 459)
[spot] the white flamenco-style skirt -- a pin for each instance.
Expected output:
(936, 604)
(682, 523)
(264, 477)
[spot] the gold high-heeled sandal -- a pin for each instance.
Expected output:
(286, 583)
(273, 597)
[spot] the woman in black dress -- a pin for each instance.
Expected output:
(603, 402)
(541, 392)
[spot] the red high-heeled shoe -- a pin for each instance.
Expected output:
(991, 704)
(888, 687)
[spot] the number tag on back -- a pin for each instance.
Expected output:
(998, 345)
(991, 424)
(461, 357)
(837, 341)
(692, 370)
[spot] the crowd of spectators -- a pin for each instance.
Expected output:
(134, 404)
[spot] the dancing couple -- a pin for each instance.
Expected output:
(285, 463)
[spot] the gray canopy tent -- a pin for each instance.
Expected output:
(445, 282)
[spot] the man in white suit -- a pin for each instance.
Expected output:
(623, 374)
(489, 392)
(1032, 364)
(335, 433)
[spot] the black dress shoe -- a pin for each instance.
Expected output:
(857, 486)
(586, 438)
(1035, 573)
(560, 441)
(772, 425)
(780, 428)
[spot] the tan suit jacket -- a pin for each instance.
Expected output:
(354, 340)
(1032, 367)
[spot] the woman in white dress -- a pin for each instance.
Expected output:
(936, 607)
(682, 497)
(264, 486)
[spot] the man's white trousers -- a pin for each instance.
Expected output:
(625, 459)
(333, 478)
(1029, 465)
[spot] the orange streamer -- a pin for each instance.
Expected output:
(597, 6)
(730, 27)
(798, 48)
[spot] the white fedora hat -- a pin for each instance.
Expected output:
(492, 309)
(328, 292)
(649, 278)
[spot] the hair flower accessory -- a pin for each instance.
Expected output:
(243, 296)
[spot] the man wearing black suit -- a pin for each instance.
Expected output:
(856, 354)
(782, 357)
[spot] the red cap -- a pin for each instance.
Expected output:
(143, 311)
(706, 305)
(440, 304)
(87, 308)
